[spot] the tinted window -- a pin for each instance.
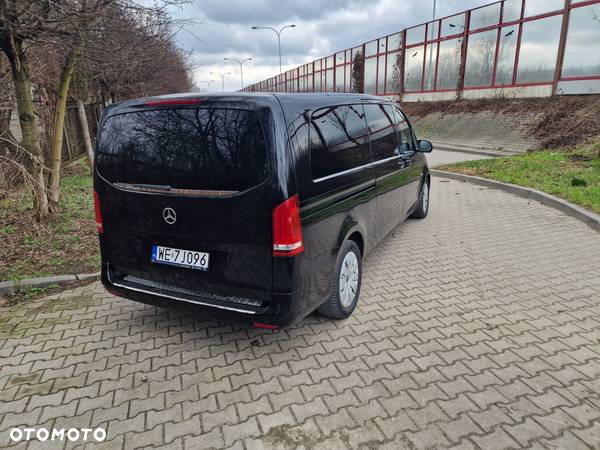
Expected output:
(339, 140)
(215, 149)
(405, 134)
(382, 130)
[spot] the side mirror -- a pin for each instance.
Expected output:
(424, 146)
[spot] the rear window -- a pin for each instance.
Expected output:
(198, 148)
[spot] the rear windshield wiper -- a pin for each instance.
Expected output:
(144, 187)
(170, 190)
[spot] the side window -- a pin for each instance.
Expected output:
(338, 140)
(382, 130)
(404, 133)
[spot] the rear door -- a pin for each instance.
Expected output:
(189, 178)
(336, 187)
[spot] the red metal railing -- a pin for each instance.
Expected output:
(506, 44)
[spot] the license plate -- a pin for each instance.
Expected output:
(179, 257)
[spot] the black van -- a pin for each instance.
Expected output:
(261, 205)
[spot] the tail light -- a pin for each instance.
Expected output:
(99, 225)
(287, 230)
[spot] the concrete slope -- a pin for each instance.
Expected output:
(485, 132)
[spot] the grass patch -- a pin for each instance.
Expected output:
(66, 244)
(570, 174)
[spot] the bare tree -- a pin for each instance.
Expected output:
(154, 43)
(131, 52)
(21, 22)
(45, 42)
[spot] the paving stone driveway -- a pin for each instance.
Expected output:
(478, 327)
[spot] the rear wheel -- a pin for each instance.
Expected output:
(348, 278)
(423, 204)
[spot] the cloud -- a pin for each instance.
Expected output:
(274, 11)
(223, 29)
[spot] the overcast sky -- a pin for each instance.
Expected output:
(223, 29)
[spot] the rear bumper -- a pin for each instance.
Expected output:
(282, 310)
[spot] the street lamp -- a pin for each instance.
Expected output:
(222, 75)
(207, 83)
(278, 33)
(240, 62)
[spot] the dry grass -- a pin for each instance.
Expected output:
(66, 244)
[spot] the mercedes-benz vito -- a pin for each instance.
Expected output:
(260, 206)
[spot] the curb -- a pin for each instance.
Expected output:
(589, 218)
(10, 287)
(492, 153)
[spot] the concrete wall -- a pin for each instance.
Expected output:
(509, 92)
(578, 87)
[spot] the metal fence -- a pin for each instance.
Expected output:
(530, 47)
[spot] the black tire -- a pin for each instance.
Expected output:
(423, 204)
(334, 307)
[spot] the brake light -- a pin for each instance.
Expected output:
(173, 101)
(287, 230)
(265, 326)
(99, 225)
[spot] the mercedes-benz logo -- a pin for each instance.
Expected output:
(169, 215)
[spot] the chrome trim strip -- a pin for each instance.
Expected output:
(343, 194)
(356, 169)
(172, 297)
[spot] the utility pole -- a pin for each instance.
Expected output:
(278, 33)
(241, 63)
